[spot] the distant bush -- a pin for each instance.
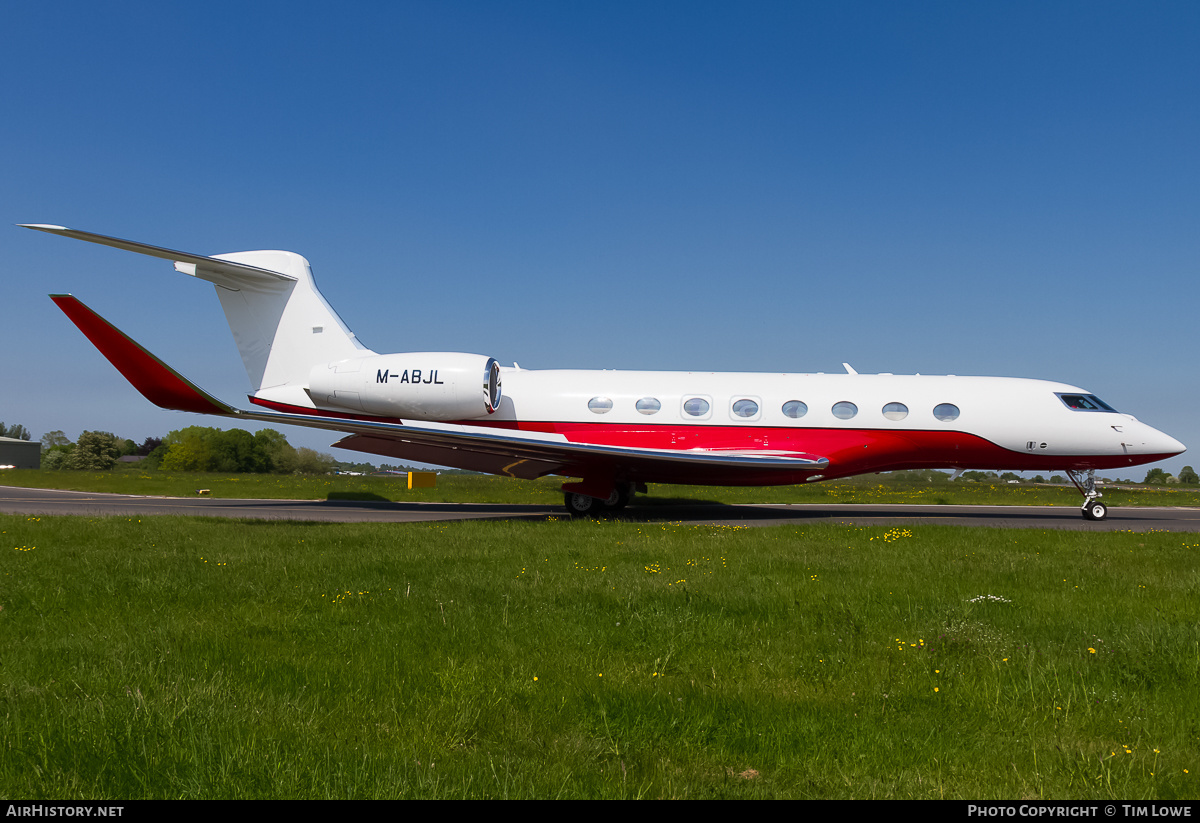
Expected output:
(980, 477)
(56, 458)
(207, 449)
(94, 451)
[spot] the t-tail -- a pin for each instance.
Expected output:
(301, 358)
(281, 323)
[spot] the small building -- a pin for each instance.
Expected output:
(20, 454)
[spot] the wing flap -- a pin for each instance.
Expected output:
(454, 457)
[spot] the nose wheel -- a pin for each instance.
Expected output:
(1093, 509)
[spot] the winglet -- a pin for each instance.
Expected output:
(158, 382)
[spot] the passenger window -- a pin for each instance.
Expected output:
(895, 411)
(745, 408)
(844, 410)
(945, 412)
(600, 405)
(648, 405)
(696, 406)
(795, 409)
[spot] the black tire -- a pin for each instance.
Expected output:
(619, 498)
(581, 505)
(1095, 510)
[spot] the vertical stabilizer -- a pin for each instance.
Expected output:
(282, 327)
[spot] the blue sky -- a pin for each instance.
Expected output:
(965, 188)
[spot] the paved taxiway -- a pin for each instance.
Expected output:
(48, 502)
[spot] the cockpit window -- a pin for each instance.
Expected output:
(1084, 402)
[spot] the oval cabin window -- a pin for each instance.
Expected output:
(795, 409)
(600, 405)
(945, 412)
(895, 411)
(696, 406)
(745, 408)
(844, 410)
(648, 405)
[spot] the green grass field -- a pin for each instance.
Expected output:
(465, 488)
(186, 657)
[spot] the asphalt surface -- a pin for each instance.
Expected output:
(50, 502)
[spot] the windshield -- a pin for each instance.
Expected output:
(1084, 402)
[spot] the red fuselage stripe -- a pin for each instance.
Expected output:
(850, 451)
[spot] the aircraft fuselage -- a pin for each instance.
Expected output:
(859, 422)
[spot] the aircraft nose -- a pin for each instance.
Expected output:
(1172, 445)
(1151, 441)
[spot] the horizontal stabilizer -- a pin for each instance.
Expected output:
(158, 382)
(225, 272)
(280, 322)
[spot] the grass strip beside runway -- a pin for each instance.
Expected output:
(467, 488)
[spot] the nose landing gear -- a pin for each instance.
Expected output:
(1093, 509)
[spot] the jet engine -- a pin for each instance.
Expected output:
(413, 385)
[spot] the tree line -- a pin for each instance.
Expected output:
(193, 449)
(1154, 477)
(16, 432)
(1159, 477)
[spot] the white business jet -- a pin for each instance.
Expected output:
(615, 431)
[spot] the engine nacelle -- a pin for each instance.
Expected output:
(413, 385)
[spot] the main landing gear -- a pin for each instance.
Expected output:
(1093, 509)
(582, 505)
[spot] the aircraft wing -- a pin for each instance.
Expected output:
(477, 448)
